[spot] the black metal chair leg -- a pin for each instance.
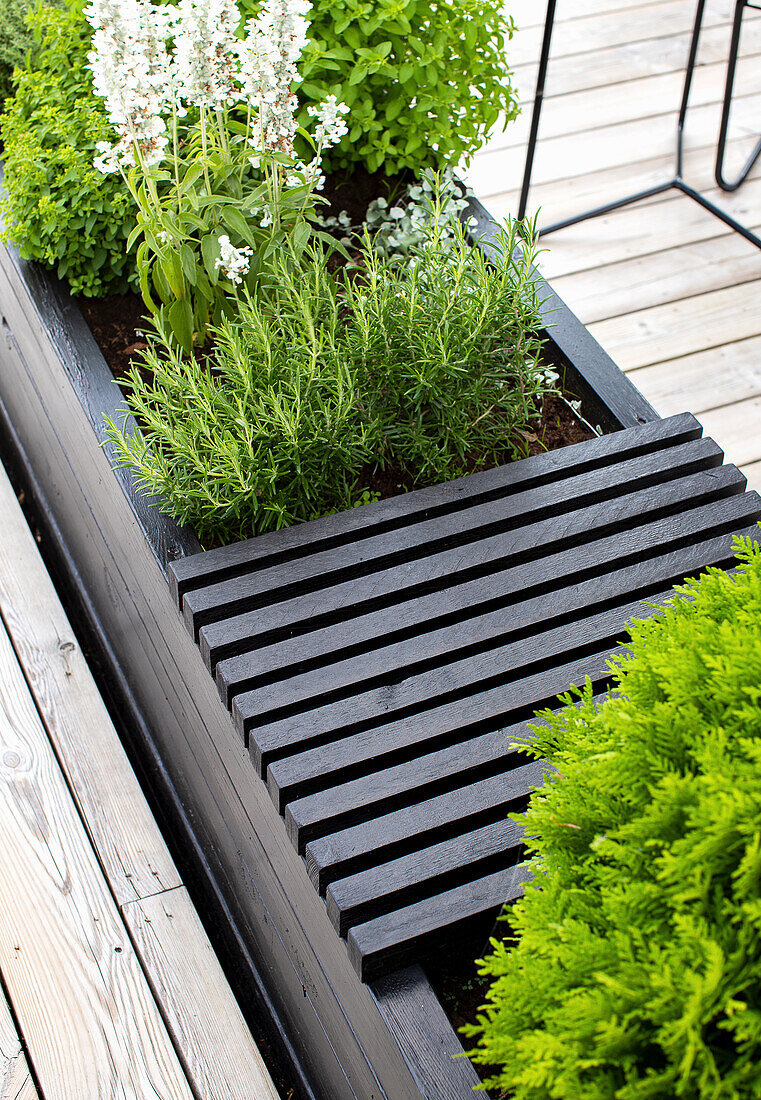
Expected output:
(723, 183)
(549, 22)
(676, 181)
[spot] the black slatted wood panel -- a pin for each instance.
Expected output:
(381, 664)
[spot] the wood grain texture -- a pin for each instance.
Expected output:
(675, 329)
(108, 795)
(15, 1080)
(219, 584)
(721, 261)
(64, 952)
(411, 1008)
(222, 1059)
(383, 677)
(739, 425)
(186, 733)
(731, 373)
(125, 836)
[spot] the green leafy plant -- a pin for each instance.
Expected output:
(16, 40)
(432, 366)
(449, 344)
(637, 968)
(156, 65)
(58, 208)
(425, 80)
(268, 432)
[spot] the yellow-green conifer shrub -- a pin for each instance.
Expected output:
(635, 967)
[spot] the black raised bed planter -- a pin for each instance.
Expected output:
(374, 663)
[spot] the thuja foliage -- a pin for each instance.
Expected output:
(425, 80)
(59, 209)
(432, 366)
(634, 965)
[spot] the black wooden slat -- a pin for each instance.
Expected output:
(390, 835)
(320, 770)
(341, 685)
(279, 547)
(349, 599)
(377, 890)
(393, 939)
(630, 512)
(383, 666)
(291, 779)
(463, 609)
(393, 549)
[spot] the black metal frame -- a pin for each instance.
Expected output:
(722, 182)
(676, 182)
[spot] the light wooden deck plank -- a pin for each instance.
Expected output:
(15, 1080)
(101, 779)
(74, 979)
(219, 1053)
(613, 146)
(667, 224)
(737, 427)
(557, 201)
(695, 268)
(695, 383)
(670, 331)
(628, 26)
(753, 474)
(633, 60)
(195, 1001)
(671, 294)
(530, 13)
(648, 97)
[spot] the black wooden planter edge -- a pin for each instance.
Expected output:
(406, 999)
(95, 388)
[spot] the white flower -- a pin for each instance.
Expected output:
(331, 126)
(233, 262)
(205, 52)
(129, 62)
(268, 57)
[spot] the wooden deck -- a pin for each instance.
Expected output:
(669, 291)
(110, 987)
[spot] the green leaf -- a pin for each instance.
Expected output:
(210, 254)
(235, 221)
(188, 261)
(302, 232)
(180, 316)
(171, 267)
(136, 232)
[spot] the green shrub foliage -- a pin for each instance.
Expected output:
(432, 366)
(425, 80)
(636, 972)
(58, 208)
(15, 41)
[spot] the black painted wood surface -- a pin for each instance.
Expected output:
(381, 665)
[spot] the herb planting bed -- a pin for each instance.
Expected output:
(470, 602)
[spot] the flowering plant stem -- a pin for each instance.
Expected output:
(232, 196)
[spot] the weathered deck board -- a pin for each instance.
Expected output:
(668, 290)
(65, 954)
(15, 1080)
(216, 1048)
